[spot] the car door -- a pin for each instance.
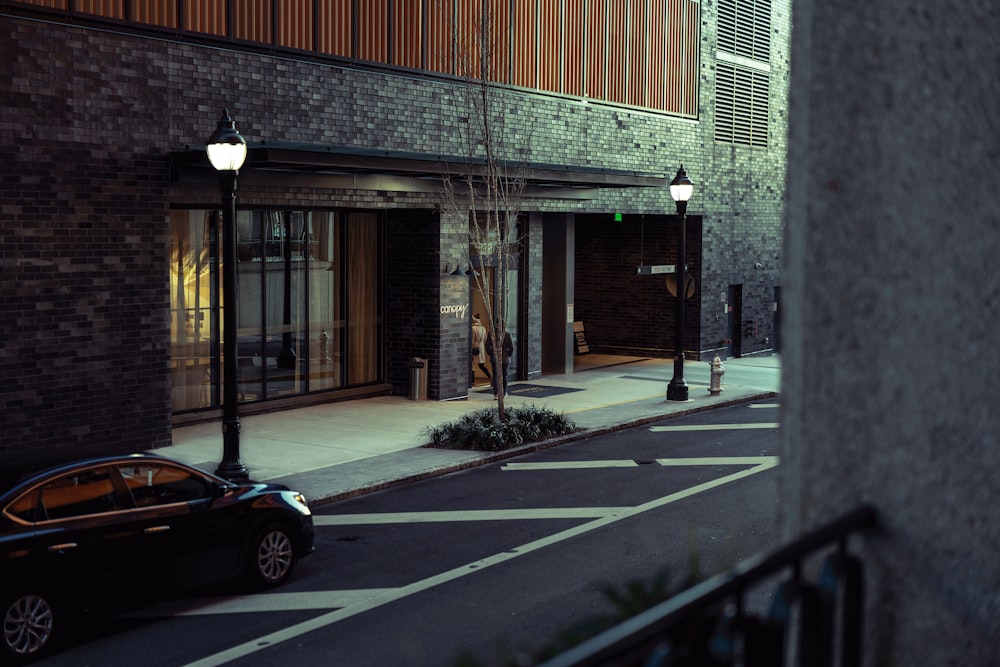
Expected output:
(189, 527)
(85, 543)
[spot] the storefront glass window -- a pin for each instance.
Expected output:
(309, 302)
(194, 286)
(326, 319)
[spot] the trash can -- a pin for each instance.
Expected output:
(418, 379)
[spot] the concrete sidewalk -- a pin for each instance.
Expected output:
(343, 449)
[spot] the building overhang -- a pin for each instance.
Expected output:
(351, 167)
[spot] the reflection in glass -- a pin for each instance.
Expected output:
(194, 283)
(309, 307)
(326, 334)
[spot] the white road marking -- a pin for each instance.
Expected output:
(721, 461)
(391, 595)
(465, 515)
(568, 465)
(263, 603)
(764, 405)
(712, 427)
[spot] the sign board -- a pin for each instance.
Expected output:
(653, 269)
(581, 339)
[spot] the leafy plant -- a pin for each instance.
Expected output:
(484, 431)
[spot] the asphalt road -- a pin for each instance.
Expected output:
(490, 562)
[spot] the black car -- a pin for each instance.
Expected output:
(117, 530)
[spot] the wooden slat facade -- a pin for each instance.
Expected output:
(597, 50)
(296, 24)
(253, 21)
(373, 30)
(551, 43)
(466, 34)
(335, 19)
(440, 38)
(207, 16)
(524, 46)
(574, 52)
(407, 34)
(154, 12)
(640, 53)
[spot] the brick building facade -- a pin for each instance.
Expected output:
(103, 117)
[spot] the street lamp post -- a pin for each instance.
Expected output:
(681, 189)
(227, 151)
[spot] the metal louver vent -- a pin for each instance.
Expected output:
(742, 67)
(745, 28)
(741, 103)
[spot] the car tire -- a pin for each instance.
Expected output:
(271, 557)
(29, 626)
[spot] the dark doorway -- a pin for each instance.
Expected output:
(776, 322)
(734, 323)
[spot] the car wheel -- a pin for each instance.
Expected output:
(272, 556)
(28, 626)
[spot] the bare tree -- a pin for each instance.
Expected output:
(488, 187)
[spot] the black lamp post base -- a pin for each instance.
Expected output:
(233, 471)
(677, 391)
(231, 467)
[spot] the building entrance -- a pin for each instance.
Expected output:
(491, 289)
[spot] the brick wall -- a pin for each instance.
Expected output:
(413, 293)
(90, 117)
(83, 188)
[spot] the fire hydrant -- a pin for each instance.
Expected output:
(718, 370)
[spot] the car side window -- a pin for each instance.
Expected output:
(155, 483)
(26, 507)
(79, 494)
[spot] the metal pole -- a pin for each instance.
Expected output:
(677, 390)
(286, 358)
(231, 467)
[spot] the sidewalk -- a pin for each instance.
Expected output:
(340, 450)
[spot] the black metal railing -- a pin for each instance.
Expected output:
(808, 623)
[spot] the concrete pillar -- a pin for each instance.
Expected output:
(892, 309)
(559, 255)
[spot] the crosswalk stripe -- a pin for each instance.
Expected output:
(448, 516)
(564, 465)
(712, 427)
(721, 461)
(261, 603)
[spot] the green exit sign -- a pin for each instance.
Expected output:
(618, 217)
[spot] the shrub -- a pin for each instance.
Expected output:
(483, 431)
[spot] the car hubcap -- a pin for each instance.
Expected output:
(27, 626)
(274, 557)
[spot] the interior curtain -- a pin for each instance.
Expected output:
(362, 298)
